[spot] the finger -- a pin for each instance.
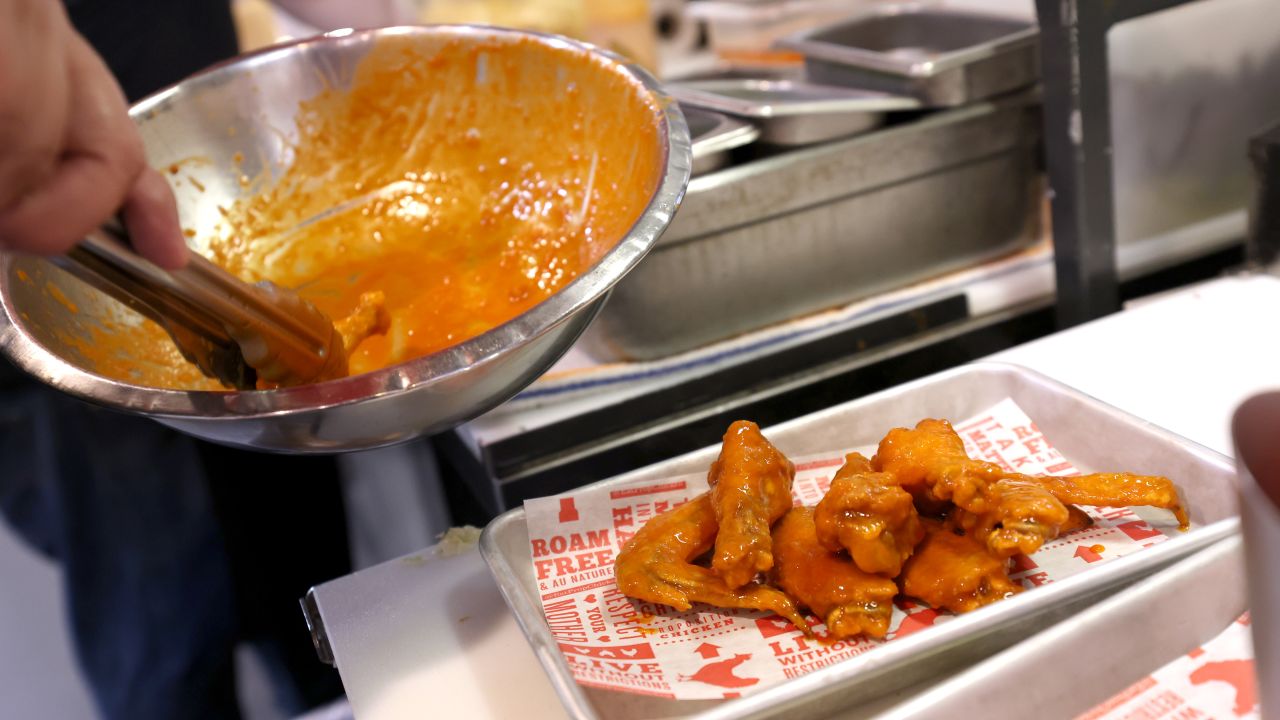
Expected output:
(151, 214)
(34, 96)
(83, 192)
(101, 160)
(1255, 430)
(150, 210)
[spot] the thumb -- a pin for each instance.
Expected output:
(1256, 430)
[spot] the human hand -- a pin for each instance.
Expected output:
(70, 157)
(1256, 430)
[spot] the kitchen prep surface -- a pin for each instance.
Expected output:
(387, 657)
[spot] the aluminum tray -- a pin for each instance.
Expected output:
(1101, 651)
(714, 137)
(819, 227)
(1089, 433)
(790, 112)
(945, 57)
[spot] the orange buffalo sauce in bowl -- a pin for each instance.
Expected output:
(465, 181)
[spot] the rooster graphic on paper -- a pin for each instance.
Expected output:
(1239, 674)
(720, 673)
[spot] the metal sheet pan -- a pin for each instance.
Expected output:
(790, 112)
(1089, 433)
(819, 227)
(1100, 651)
(945, 57)
(714, 136)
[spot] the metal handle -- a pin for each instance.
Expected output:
(232, 330)
(144, 286)
(103, 263)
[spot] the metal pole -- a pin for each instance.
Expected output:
(1077, 119)
(1078, 146)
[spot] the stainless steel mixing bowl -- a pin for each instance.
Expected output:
(247, 106)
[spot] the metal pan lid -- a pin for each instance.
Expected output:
(752, 98)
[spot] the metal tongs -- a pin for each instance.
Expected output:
(234, 332)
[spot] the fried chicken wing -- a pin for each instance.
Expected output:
(1021, 517)
(954, 571)
(850, 601)
(921, 518)
(750, 490)
(1011, 513)
(868, 514)
(1119, 490)
(369, 318)
(932, 455)
(656, 566)
(927, 504)
(1078, 520)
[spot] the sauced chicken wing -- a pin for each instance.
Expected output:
(1119, 490)
(1021, 516)
(932, 455)
(954, 571)
(750, 489)
(1077, 520)
(1027, 510)
(927, 504)
(921, 518)
(866, 513)
(369, 318)
(850, 601)
(656, 566)
(1011, 513)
